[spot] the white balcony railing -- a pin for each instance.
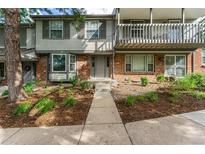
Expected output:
(161, 33)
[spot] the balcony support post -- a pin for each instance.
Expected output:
(183, 15)
(118, 16)
(150, 15)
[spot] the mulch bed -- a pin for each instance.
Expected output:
(163, 107)
(58, 116)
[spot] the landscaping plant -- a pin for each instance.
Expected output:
(174, 96)
(199, 79)
(69, 101)
(144, 81)
(28, 87)
(130, 100)
(129, 79)
(160, 78)
(22, 108)
(74, 81)
(85, 85)
(5, 93)
(197, 94)
(44, 105)
(186, 83)
(151, 96)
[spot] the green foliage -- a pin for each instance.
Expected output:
(144, 81)
(199, 79)
(151, 96)
(129, 79)
(45, 105)
(74, 81)
(85, 85)
(160, 78)
(198, 94)
(28, 87)
(69, 101)
(130, 100)
(70, 92)
(22, 108)
(185, 83)
(5, 93)
(174, 96)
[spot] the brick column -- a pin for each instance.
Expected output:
(41, 68)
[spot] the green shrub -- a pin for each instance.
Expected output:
(160, 78)
(28, 87)
(22, 108)
(5, 93)
(69, 101)
(151, 96)
(185, 83)
(130, 100)
(74, 81)
(174, 96)
(45, 105)
(70, 92)
(198, 94)
(85, 85)
(199, 79)
(144, 81)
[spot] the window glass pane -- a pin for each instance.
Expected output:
(92, 29)
(180, 60)
(72, 59)
(150, 67)
(72, 67)
(180, 71)
(128, 67)
(1, 70)
(170, 60)
(170, 71)
(58, 62)
(56, 25)
(203, 60)
(203, 56)
(139, 63)
(128, 60)
(56, 34)
(72, 63)
(150, 59)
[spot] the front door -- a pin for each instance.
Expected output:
(100, 66)
(28, 72)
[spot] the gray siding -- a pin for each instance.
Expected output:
(74, 43)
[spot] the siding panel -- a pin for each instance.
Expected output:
(45, 29)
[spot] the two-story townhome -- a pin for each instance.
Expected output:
(27, 45)
(155, 41)
(65, 51)
(130, 42)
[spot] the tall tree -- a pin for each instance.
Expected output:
(12, 54)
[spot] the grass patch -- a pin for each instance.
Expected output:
(130, 100)
(69, 101)
(160, 78)
(45, 105)
(22, 108)
(85, 85)
(28, 87)
(74, 81)
(144, 81)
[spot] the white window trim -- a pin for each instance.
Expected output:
(202, 55)
(146, 63)
(174, 64)
(65, 64)
(50, 28)
(86, 29)
(72, 63)
(2, 78)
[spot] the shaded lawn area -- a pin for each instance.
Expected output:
(164, 106)
(57, 116)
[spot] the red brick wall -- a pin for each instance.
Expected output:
(120, 74)
(198, 62)
(41, 68)
(84, 66)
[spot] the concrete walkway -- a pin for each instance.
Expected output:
(103, 124)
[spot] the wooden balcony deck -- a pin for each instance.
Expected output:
(160, 36)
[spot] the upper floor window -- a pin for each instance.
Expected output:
(203, 56)
(2, 70)
(92, 29)
(56, 29)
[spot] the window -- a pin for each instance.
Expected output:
(72, 63)
(139, 63)
(203, 56)
(92, 29)
(2, 70)
(59, 62)
(175, 65)
(56, 29)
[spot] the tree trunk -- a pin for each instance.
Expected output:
(13, 55)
